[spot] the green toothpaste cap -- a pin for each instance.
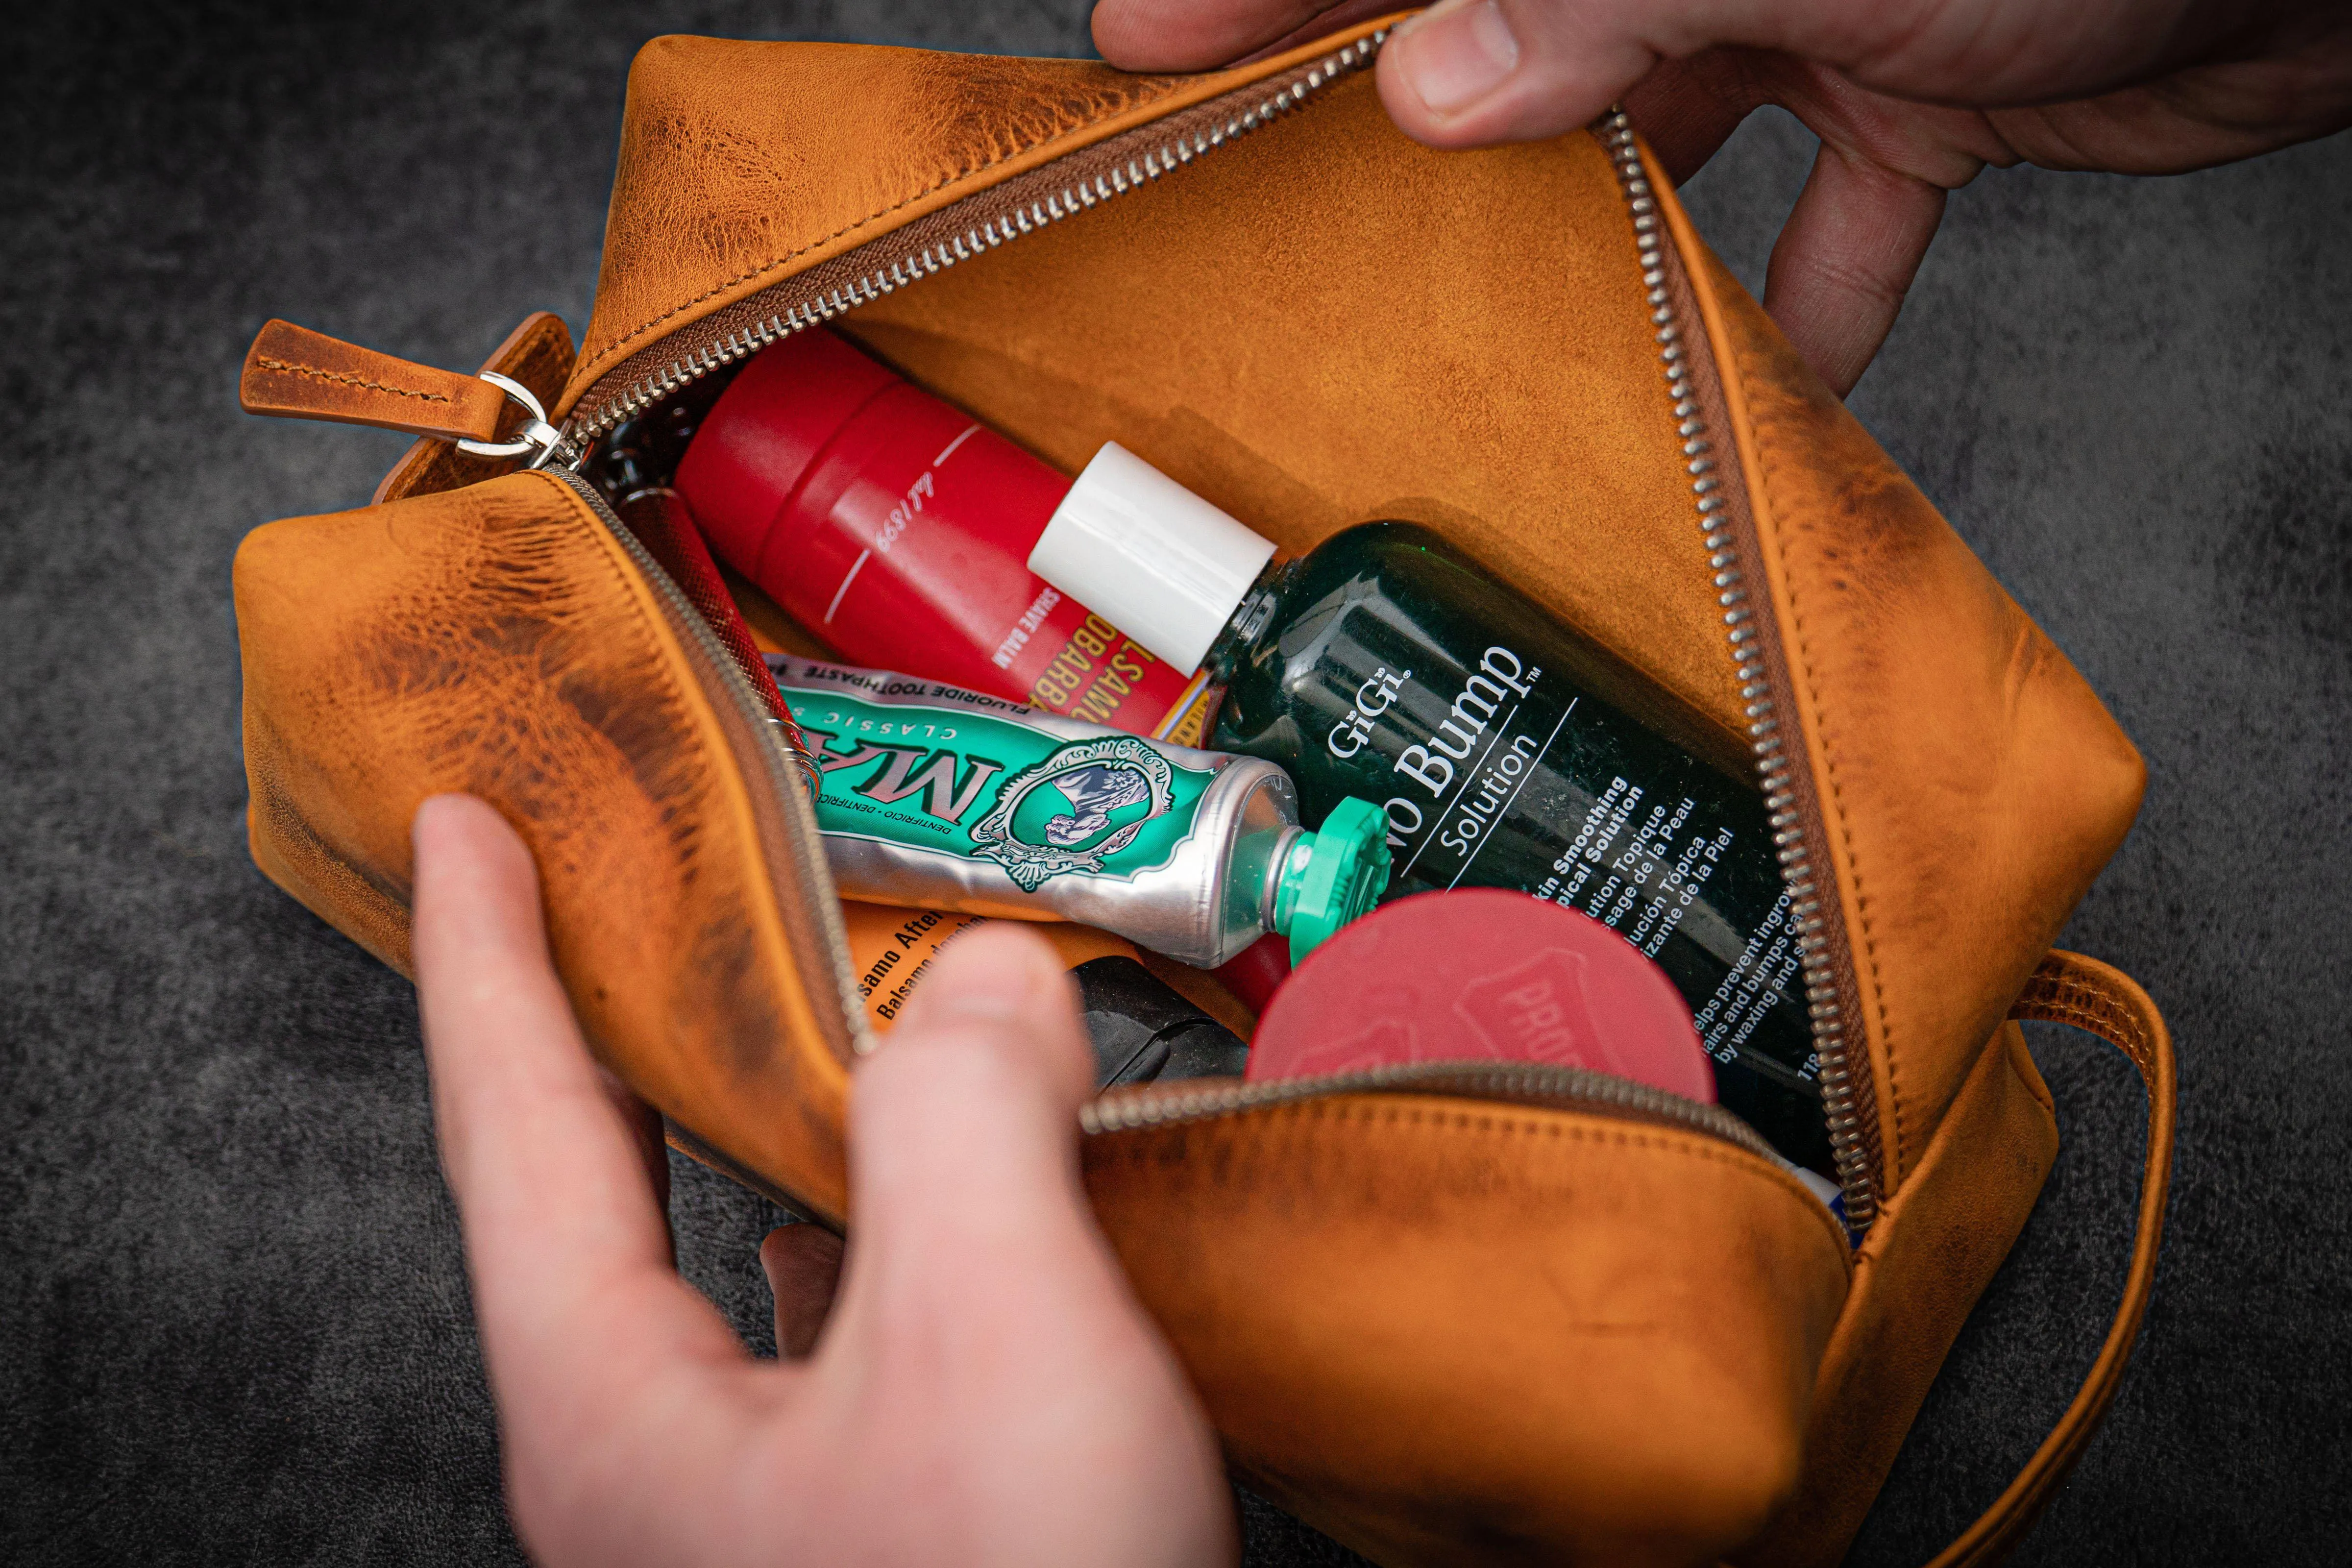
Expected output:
(1332, 875)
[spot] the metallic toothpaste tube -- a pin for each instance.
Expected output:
(937, 796)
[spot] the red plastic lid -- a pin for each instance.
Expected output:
(756, 444)
(1482, 976)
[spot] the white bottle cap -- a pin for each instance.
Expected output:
(1149, 556)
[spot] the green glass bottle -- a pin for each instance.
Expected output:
(1384, 665)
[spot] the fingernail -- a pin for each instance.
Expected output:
(1453, 57)
(992, 994)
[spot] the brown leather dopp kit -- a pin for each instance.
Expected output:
(1442, 1328)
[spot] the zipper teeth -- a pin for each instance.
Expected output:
(1166, 1105)
(1775, 766)
(1077, 197)
(782, 767)
(1156, 1105)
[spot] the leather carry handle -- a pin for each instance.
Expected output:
(2072, 989)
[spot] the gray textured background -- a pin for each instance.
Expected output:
(232, 1324)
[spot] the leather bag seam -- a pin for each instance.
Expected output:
(621, 345)
(1757, 422)
(671, 692)
(2033, 1082)
(1692, 1146)
(709, 768)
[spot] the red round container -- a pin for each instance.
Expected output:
(897, 529)
(1482, 976)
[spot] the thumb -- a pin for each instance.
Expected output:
(1466, 73)
(980, 1297)
(963, 1123)
(963, 1151)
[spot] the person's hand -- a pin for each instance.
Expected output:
(985, 1390)
(1910, 97)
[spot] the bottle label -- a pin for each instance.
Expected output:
(889, 949)
(1400, 673)
(932, 769)
(1071, 661)
(1462, 769)
(1635, 852)
(1187, 722)
(910, 545)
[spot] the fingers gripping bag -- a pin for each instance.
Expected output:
(1442, 1318)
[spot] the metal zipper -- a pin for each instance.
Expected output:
(1141, 1105)
(1022, 204)
(785, 820)
(1790, 795)
(1029, 203)
(1151, 1105)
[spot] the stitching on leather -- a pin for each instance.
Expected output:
(317, 375)
(942, 182)
(1757, 422)
(1694, 1146)
(2082, 999)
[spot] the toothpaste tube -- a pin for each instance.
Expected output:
(944, 798)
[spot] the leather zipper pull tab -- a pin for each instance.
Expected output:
(294, 373)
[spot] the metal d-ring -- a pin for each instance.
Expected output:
(538, 438)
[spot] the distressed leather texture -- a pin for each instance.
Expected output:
(1245, 327)
(741, 164)
(1452, 1333)
(1442, 1330)
(1973, 782)
(498, 640)
(296, 372)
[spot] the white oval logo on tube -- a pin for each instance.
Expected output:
(1149, 556)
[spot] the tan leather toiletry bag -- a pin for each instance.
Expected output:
(1458, 1316)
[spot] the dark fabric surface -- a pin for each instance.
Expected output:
(233, 1319)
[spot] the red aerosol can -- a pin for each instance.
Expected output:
(897, 528)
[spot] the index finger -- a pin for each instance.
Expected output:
(565, 1242)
